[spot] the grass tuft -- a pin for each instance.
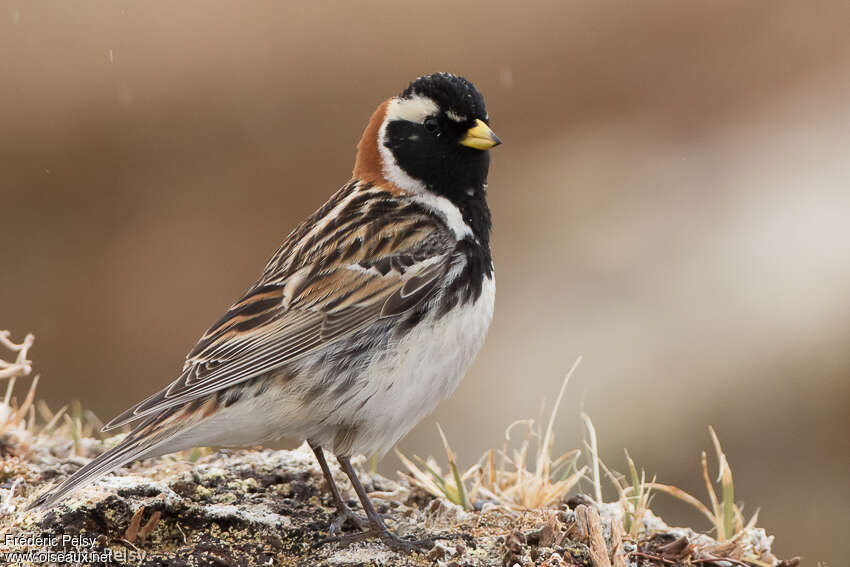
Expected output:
(506, 478)
(428, 475)
(511, 482)
(725, 515)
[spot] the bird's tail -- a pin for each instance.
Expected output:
(142, 442)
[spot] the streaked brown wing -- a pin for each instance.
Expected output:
(275, 324)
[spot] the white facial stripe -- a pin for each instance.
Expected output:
(446, 209)
(456, 117)
(414, 109)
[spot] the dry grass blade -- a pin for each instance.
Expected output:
(753, 521)
(460, 491)
(428, 476)
(634, 499)
(732, 522)
(94, 424)
(621, 492)
(684, 497)
(641, 495)
(53, 420)
(43, 411)
(491, 469)
(74, 427)
(594, 456)
(544, 455)
(28, 400)
(419, 477)
(637, 498)
(712, 496)
(10, 387)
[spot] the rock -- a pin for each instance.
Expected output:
(251, 507)
(266, 507)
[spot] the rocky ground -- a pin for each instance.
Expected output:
(265, 507)
(255, 507)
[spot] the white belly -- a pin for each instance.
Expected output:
(424, 368)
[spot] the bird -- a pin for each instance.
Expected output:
(367, 317)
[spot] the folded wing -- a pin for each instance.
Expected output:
(276, 323)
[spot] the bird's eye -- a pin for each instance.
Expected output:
(432, 126)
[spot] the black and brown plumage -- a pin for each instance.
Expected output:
(365, 318)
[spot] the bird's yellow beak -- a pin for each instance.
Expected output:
(480, 137)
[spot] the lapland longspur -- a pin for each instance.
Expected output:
(368, 315)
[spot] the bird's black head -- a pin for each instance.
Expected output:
(433, 139)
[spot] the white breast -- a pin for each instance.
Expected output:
(425, 367)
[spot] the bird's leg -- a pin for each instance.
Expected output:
(377, 527)
(344, 513)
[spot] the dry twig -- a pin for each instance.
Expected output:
(149, 526)
(618, 556)
(21, 366)
(135, 522)
(590, 526)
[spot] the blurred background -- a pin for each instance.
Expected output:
(671, 202)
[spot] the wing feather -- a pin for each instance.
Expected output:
(261, 332)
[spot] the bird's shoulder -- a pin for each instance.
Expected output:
(367, 225)
(369, 252)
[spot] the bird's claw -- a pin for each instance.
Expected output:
(388, 538)
(347, 517)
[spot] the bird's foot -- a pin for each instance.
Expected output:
(348, 517)
(387, 537)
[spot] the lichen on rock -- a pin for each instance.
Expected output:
(267, 507)
(251, 507)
